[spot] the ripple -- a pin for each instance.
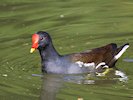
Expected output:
(128, 60)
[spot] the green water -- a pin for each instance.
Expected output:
(75, 25)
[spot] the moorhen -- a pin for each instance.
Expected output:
(93, 60)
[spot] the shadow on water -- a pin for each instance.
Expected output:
(52, 84)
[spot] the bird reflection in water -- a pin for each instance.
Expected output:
(50, 87)
(53, 83)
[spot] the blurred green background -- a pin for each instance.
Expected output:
(74, 25)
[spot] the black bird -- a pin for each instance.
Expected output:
(84, 62)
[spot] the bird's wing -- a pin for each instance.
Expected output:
(97, 55)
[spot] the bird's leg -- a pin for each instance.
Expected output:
(102, 66)
(107, 70)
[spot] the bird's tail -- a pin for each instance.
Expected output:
(118, 53)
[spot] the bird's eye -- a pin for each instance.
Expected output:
(42, 38)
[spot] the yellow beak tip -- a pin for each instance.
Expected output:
(32, 50)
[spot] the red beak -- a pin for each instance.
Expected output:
(35, 40)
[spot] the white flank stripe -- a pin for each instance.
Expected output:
(81, 64)
(100, 64)
(89, 64)
(105, 66)
(121, 52)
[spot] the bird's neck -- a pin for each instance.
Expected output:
(48, 53)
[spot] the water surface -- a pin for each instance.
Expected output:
(75, 25)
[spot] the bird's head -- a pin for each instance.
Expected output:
(40, 40)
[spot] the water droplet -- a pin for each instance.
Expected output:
(80, 98)
(25, 44)
(11, 68)
(60, 48)
(7, 62)
(20, 77)
(88, 43)
(72, 46)
(33, 85)
(61, 16)
(5, 75)
(77, 33)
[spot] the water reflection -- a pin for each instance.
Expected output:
(128, 59)
(50, 87)
(53, 83)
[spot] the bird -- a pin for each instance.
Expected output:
(94, 60)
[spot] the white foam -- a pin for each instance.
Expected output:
(123, 76)
(120, 73)
(121, 52)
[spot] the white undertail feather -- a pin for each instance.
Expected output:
(121, 52)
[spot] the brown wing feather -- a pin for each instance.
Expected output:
(97, 55)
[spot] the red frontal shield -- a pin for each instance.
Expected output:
(35, 40)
